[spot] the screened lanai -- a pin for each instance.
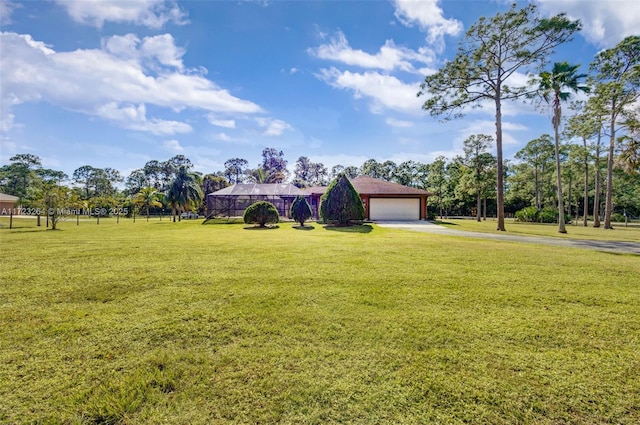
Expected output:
(233, 200)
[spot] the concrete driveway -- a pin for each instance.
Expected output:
(430, 227)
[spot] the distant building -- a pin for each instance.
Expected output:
(7, 204)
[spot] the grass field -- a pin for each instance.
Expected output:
(631, 233)
(163, 323)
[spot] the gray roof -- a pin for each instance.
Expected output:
(255, 189)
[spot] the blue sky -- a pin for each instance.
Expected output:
(119, 83)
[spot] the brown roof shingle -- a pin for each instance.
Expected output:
(366, 185)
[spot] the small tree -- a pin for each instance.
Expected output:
(341, 203)
(261, 212)
(300, 210)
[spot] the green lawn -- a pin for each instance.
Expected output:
(163, 323)
(631, 233)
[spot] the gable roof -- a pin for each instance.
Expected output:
(366, 185)
(8, 198)
(257, 189)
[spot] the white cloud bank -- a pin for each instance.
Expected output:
(389, 58)
(604, 23)
(149, 13)
(429, 17)
(383, 91)
(114, 82)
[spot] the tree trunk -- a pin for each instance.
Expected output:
(596, 198)
(569, 195)
(537, 190)
(500, 177)
(585, 201)
(561, 226)
(478, 208)
(608, 209)
(484, 217)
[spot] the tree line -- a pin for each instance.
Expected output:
(588, 169)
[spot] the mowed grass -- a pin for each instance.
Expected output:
(163, 323)
(631, 233)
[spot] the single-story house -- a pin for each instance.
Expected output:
(7, 203)
(233, 200)
(383, 200)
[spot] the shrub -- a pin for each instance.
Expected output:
(341, 203)
(548, 215)
(527, 215)
(545, 215)
(261, 212)
(300, 210)
(618, 218)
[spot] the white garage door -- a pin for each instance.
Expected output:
(394, 209)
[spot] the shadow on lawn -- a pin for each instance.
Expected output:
(444, 222)
(303, 227)
(257, 227)
(361, 228)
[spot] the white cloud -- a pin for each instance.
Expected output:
(429, 17)
(389, 57)
(100, 81)
(273, 127)
(226, 123)
(604, 23)
(294, 70)
(6, 9)
(224, 137)
(383, 91)
(488, 127)
(150, 13)
(398, 123)
(173, 146)
(135, 118)
(160, 49)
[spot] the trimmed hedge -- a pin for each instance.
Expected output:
(261, 213)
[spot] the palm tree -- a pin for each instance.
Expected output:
(183, 191)
(556, 86)
(148, 197)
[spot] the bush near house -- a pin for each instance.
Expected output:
(341, 204)
(261, 213)
(300, 210)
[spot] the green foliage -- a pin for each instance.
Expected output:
(527, 215)
(341, 203)
(261, 213)
(184, 191)
(548, 215)
(545, 215)
(300, 210)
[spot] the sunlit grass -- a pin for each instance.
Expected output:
(183, 323)
(574, 231)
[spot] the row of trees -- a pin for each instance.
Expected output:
(463, 185)
(520, 41)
